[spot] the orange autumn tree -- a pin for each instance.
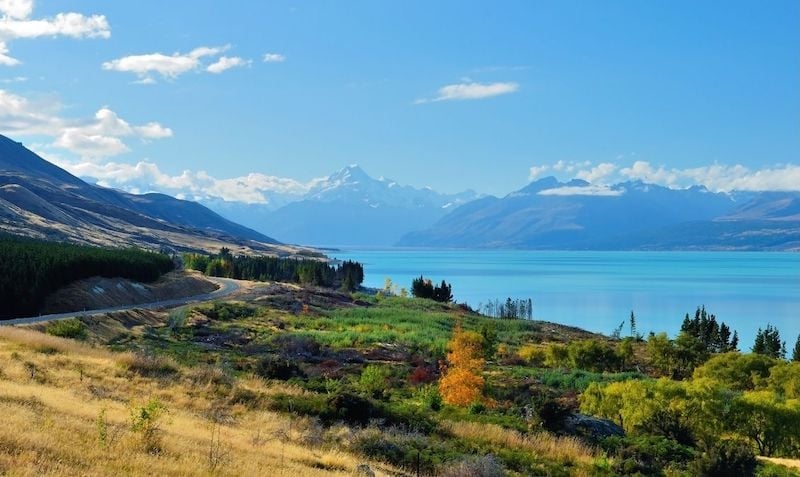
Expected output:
(462, 381)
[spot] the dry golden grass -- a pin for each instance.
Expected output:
(567, 450)
(790, 463)
(53, 392)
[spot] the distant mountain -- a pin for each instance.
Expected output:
(39, 199)
(548, 214)
(349, 208)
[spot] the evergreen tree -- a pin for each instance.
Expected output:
(633, 325)
(714, 336)
(443, 293)
(768, 342)
(796, 351)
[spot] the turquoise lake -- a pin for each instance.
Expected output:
(598, 290)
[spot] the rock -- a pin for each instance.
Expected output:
(592, 427)
(363, 470)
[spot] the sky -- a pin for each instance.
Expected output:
(230, 99)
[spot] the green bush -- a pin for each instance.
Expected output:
(275, 367)
(72, 328)
(146, 421)
(372, 381)
(726, 458)
(648, 455)
(428, 395)
(229, 311)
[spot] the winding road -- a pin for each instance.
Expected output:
(226, 287)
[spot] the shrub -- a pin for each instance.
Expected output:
(274, 367)
(532, 354)
(247, 398)
(593, 355)
(352, 408)
(647, 455)
(485, 466)
(229, 311)
(726, 458)
(150, 366)
(145, 421)
(428, 395)
(72, 328)
(422, 375)
(372, 381)
(556, 356)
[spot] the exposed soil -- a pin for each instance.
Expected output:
(99, 292)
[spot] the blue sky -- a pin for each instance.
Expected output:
(450, 94)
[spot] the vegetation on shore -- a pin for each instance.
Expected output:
(316, 381)
(347, 275)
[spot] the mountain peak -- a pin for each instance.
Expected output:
(544, 183)
(350, 174)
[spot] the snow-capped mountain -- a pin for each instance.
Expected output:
(349, 207)
(548, 214)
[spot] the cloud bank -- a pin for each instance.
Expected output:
(16, 23)
(94, 138)
(715, 177)
(146, 176)
(170, 67)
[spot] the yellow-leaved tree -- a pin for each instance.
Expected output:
(462, 383)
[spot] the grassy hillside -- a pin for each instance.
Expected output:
(67, 410)
(305, 381)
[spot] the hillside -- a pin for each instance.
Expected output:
(548, 214)
(40, 200)
(309, 381)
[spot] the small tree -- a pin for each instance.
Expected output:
(373, 380)
(768, 342)
(146, 421)
(796, 351)
(462, 382)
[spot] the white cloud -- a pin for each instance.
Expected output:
(146, 176)
(6, 60)
(15, 79)
(15, 23)
(93, 138)
(715, 177)
(536, 171)
(582, 190)
(174, 65)
(471, 90)
(274, 58)
(17, 9)
(597, 173)
(226, 63)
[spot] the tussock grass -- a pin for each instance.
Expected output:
(52, 425)
(567, 450)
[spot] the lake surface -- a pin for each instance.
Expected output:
(598, 290)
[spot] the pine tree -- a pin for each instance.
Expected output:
(796, 351)
(734, 346)
(768, 342)
(633, 325)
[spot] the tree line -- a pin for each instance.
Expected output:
(424, 288)
(510, 309)
(32, 269)
(347, 275)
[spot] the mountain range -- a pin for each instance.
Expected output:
(41, 200)
(548, 214)
(348, 208)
